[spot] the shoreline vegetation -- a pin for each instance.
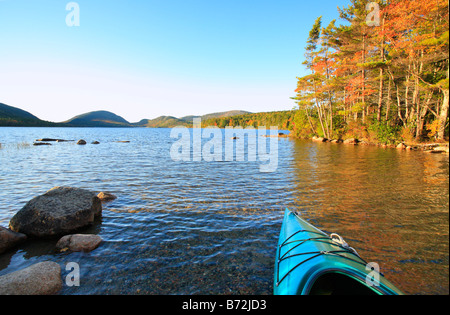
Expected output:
(285, 120)
(382, 81)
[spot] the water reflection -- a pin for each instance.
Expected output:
(212, 227)
(391, 205)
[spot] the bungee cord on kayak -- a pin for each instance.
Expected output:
(336, 253)
(309, 261)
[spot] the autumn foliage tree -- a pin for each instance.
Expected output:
(383, 68)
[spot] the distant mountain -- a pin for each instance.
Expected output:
(216, 115)
(98, 119)
(230, 113)
(13, 116)
(161, 122)
(170, 121)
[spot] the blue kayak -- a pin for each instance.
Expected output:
(310, 262)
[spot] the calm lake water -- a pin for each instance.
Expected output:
(212, 227)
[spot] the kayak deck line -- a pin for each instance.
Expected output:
(315, 239)
(310, 261)
(319, 253)
(300, 242)
(323, 239)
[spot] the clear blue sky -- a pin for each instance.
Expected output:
(147, 58)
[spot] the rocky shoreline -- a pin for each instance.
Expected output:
(59, 213)
(426, 147)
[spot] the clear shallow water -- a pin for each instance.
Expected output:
(212, 227)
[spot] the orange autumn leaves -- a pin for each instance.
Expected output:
(394, 74)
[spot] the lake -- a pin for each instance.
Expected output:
(198, 227)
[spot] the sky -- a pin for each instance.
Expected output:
(142, 59)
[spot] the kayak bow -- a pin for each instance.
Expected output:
(310, 262)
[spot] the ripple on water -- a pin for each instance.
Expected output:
(212, 228)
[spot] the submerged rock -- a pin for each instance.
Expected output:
(351, 141)
(50, 140)
(319, 139)
(9, 239)
(104, 196)
(81, 142)
(79, 243)
(40, 279)
(441, 149)
(61, 210)
(41, 143)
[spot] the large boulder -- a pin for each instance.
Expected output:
(60, 211)
(40, 279)
(9, 239)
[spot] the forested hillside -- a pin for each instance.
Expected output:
(380, 72)
(281, 119)
(16, 117)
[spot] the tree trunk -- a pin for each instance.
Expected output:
(443, 116)
(380, 96)
(388, 103)
(406, 98)
(330, 101)
(364, 81)
(421, 117)
(399, 106)
(444, 110)
(310, 122)
(319, 109)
